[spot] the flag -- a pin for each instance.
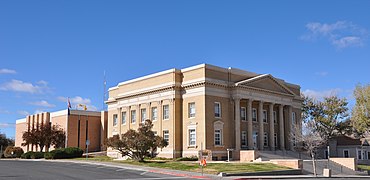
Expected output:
(69, 106)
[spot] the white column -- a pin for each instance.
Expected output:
(272, 127)
(261, 128)
(119, 122)
(289, 130)
(281, 127)
(250, 124)
(237, 123)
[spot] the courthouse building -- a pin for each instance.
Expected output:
(210, 108)
(79, 126)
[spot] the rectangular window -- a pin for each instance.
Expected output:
(275, 140)
(265, 139)
(217, 109)
(275, 116)
(244, 139)
(359, 154)
(155, 133)
(264, 116)
(254, 114)
(166, 112)
(154, 113)
(294, 140)
(123, 117)
(191, 109)
(243, 114)
(115, 119)
(294, 122)
(166, 136)
(218, 137)
(345, 153)
(133, 116)
(192, 137)
(143, 115)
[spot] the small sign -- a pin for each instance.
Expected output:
(87, 142)
(203, 162)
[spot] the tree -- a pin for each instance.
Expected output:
(327, 114)
(5, 142)
(310, 139)
(137, 144)
(361, 111)
(44, 136)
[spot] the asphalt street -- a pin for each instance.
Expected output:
(18, 169)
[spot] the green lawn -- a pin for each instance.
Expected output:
(364, 167)
(211, 168)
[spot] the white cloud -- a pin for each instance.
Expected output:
(43, 103)
(39, 111)
(20, 86)
(7, 71)
(75, 101)
(7, 125)
(341, 34)
(3, 111)
(42, 82)
(318, 95)
(23, 113)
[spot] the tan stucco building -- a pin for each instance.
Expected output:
(210, 108)
(79, 126)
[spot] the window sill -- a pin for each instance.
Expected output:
(166, 119)
(220, 146)
(192, 147)
(192, 117)
(218, 117)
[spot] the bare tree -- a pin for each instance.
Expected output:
(309, 139)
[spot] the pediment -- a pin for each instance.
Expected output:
(265, 82)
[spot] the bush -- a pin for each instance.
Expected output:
(71, 152)
(191, 158)
(13, 152)
(33, 155)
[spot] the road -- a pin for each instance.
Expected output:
(18, 169)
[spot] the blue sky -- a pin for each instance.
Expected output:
(50, 50)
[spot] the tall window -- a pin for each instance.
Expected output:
(244, 138)
(275, 140)
(166, 112)
(217, 109)
(254, 114)
(154, 113)
(143, 115)
(264, 116)
(218, 137)
(294, 118)
(191, 109)
(346, 153)
(192, 137)
(166, 136)
(124, 117)
(243, 114)
(115, 119)
(294, 140)
(133, 116)
(265, 139)
(275, 116)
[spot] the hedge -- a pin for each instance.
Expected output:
(33, 155)
(17, 152)
(64, 153)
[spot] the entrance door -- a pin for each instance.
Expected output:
(255, 137)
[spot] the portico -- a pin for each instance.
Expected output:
(269, 112)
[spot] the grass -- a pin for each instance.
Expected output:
(364, 167)
(193, 166)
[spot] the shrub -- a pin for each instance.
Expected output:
(191, 158)
(71, 152)
(33, 155)
(13, 152)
